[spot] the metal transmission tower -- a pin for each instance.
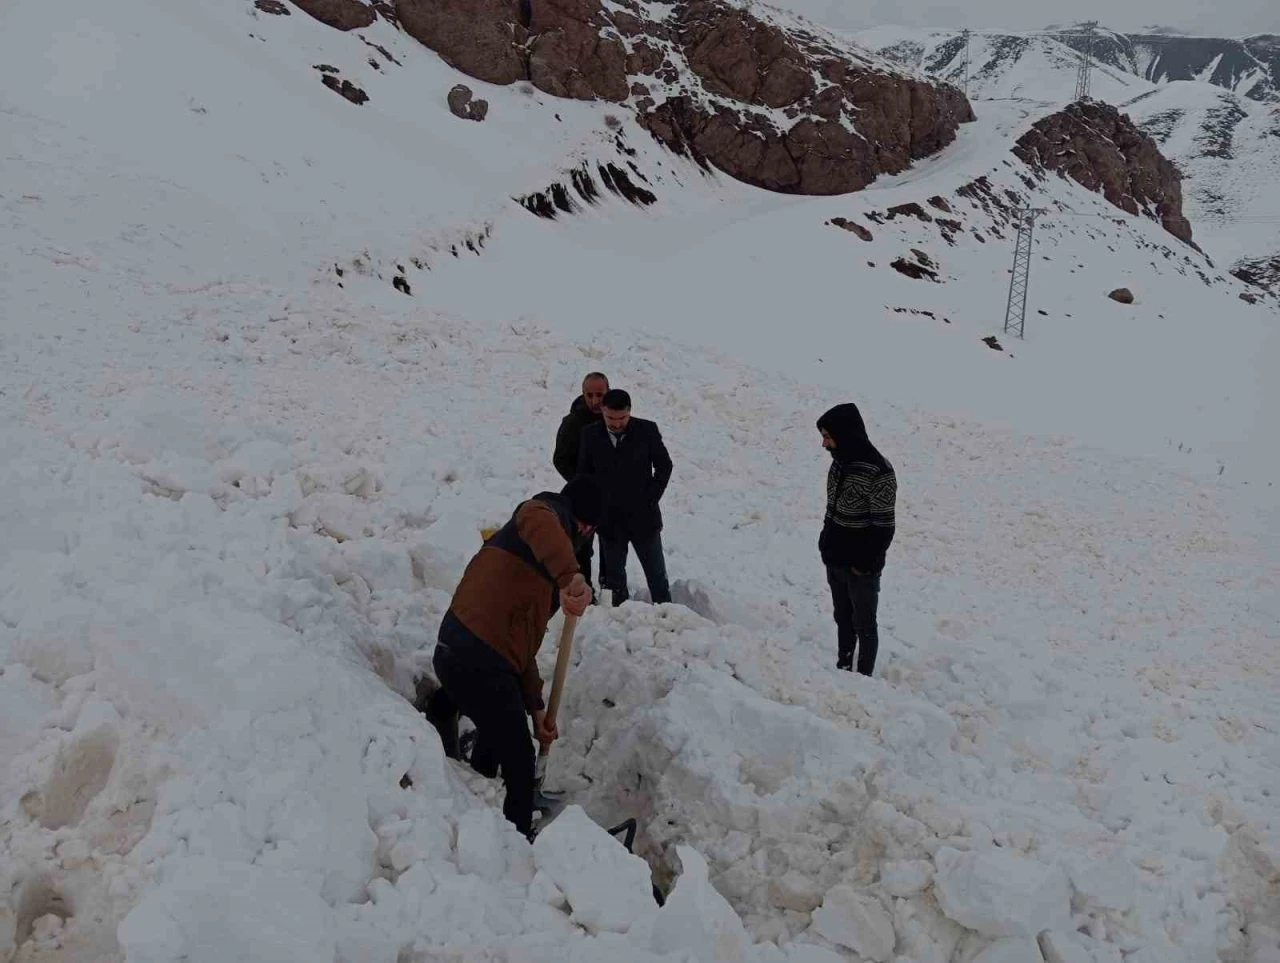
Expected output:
(1086, 61)
(1015, 312)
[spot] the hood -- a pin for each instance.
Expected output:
(579, 404)
(844, 424)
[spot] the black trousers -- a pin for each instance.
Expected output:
(479, 683)
(855, 599)
(584, 554)
(613, 562)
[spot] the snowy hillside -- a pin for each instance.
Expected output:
(1249, 68)
(273, 358)
(1226, 144)
(1229, 150)
(1027, 66)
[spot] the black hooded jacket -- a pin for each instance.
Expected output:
(569, 437)
(862, 492)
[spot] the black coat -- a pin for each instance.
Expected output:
(634, 476)
(569, 437)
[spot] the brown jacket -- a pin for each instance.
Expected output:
(506, 601)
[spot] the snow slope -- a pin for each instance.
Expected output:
(1228, 147)
(241, 486)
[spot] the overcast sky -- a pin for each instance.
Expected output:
(1229, 18)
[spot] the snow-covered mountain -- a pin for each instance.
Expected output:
(282, 332)
(1229, 150)
(1224, 136)
(1248, 67)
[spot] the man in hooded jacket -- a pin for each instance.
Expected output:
(585, 411)
(486, 654)
(862, 491)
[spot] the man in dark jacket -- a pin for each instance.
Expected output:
(862, 492)
(585, 411)
(486, 655)
(626, 455)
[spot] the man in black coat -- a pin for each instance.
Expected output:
(862, 492)
(627, 457)
(584, 412)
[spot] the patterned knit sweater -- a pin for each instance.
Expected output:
(859, 524)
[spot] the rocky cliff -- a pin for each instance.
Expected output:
(772, 102)
(1102, 149)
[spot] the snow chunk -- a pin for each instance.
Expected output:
(856, 921)
(1060, 947)
(907, 877)
(608, 888)
(697, 919)
(795, 891)
(999, 893)
(1011, 949)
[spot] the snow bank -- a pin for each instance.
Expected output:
(241, 479)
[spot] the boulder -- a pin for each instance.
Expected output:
(1102, 149)
(462, 105)
(339, 14)
(1123, 295)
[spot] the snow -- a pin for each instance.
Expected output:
(858, 922)
(607, 888)
(999, 893)
(238, 497)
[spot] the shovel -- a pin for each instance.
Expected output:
(543, 800)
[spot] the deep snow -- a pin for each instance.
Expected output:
(239, 494)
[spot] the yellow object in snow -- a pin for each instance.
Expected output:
(488, 533)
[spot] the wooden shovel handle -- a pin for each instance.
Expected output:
(563, 654)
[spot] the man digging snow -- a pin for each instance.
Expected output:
(486, 656)
(861, 494)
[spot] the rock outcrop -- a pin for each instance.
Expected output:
(1121, 295)
(339, 14)
(779, 106)
(1263, 272)
(1102, 149)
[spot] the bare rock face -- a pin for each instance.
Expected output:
(1122, 295)
(1263, 272)
(339, 14)
(1102, 149)
(569, 57)
(857, 121)
(847, 116)
(462, 105)
(481, 38)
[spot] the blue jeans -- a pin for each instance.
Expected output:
(613, 566)
(855, 599)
